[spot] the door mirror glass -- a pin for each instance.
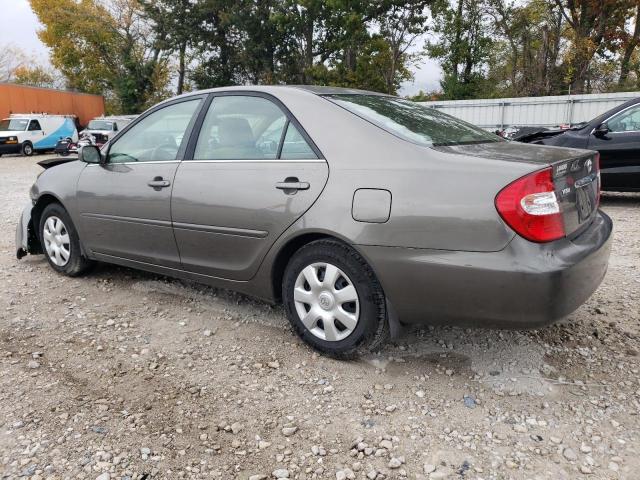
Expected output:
(602, 130)
(89, 154)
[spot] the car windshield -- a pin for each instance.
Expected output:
(14, 125)
(413, 122)
(100, 125)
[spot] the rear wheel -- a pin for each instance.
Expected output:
(334, 301)
(27, 149)
(60, 242)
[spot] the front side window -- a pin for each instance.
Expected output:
(157, 137)
(240, 128)
(627, 121)
(14, 125)
(413, 122)
(34, 125)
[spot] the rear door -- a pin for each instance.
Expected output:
(620, 150)
(125, 203)
(250, 173)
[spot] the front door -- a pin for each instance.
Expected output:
(35, 134)
(125, 203)
(253, 172)
(620, 150)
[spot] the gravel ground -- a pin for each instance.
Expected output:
(128, 375)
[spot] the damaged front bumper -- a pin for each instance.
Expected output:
(26, 238)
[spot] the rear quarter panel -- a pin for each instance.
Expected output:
(439, 200)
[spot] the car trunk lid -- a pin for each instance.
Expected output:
(575, 175)
(577, 184)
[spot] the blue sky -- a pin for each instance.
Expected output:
(18, 26)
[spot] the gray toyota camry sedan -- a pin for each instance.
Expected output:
(361, 212)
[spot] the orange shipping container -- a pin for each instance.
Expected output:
(23, 99)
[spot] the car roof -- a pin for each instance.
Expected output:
(315, 89)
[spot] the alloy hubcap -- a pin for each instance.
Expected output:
(326, 301)
(56, 241)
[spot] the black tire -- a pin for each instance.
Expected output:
(372, 327)
(76, 263)
(27, 149)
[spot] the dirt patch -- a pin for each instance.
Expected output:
(128, 375)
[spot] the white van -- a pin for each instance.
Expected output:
(28, 133)
(105, 128)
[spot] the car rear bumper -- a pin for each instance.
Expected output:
(526, 285)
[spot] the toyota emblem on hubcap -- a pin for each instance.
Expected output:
(326, 301)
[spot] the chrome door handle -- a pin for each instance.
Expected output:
(159, 182)
(292, 185)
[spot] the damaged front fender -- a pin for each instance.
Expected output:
(26, 238)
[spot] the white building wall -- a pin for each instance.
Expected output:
(532, 111)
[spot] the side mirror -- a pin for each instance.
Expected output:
(601, 130)
(89, 154)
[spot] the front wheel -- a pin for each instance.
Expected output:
(60, 242)
(27, 149)
(334, 301)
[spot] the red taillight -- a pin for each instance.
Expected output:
(529, 206)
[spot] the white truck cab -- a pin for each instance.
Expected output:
(28, 133)
(105, 128)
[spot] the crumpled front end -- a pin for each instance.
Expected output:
(26, 238)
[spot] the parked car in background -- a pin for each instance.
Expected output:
(29, 133)
(105, 128)
(615, 135)
(361, 212)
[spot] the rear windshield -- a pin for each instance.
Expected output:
(14, 125)
(100, 125)
(413, 122)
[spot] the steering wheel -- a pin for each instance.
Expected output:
(164, 152)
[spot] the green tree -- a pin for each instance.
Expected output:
(463, 47)
(589, 24)
(630, 39)
(174, 23)
(526, 49)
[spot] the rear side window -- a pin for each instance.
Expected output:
(295, 147)
(413, 122)
(34, 125)
(243, 127)
(240, 128)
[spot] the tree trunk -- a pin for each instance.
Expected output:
(625, 63)
(456, 57)
(181, 68)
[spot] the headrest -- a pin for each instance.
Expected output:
(235, 132)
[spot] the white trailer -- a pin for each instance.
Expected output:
(552, 111)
